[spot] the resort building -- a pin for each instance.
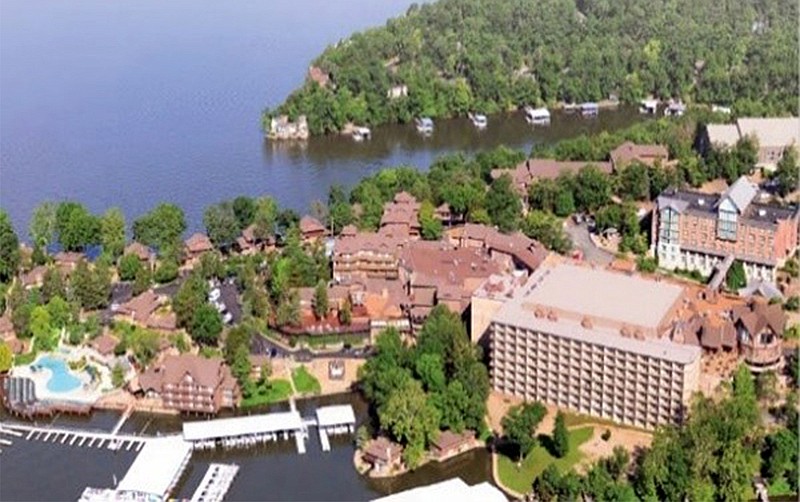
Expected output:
(190, 383)
(511, 252)
(773, 135)
(759, 329)
(451, 489)
(401, 216)
(366, 255)
(595, 342)
(382, 454)
(698, 231)
(629, 152)
(487, 300)
(249, 242)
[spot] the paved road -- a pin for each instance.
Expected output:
(580, 240)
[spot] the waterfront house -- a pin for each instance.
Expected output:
(629, 152)
(250, 242)
(448, 443)
(34, 278)
(382, 454)
(284, 129)
(318, 75)
(195, 246)
(311, 230)
(191, 383)
(531, 170)
(67, 261)
(146, 255)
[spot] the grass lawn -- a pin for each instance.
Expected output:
(779, 487)
(26, 358)
(305, 382)
(520, 478)
(278, 390)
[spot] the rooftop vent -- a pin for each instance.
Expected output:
(762, 212)
(701, 202)
(586, 323)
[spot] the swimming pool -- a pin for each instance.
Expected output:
(61, 380)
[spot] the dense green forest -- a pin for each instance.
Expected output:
(457, 56)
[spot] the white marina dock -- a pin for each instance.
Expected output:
(215, 483)
(75, 437)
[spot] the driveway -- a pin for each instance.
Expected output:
(579, 233)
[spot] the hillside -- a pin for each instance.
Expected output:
(456, 56)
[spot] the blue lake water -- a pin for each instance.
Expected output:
(134, 102)
(62, 380)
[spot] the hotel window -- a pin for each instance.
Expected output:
(670, 224)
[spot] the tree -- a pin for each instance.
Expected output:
(244, 208)
(61, 313)
(321, 300)
(430, 369)
(167, 271)
(237, 352)
(780, 453)
(9, 248)
(42, 227)
(592, 188)
(767, 386)
(736, 278)
(129, 267)
(346, 314)
(288, 311)
(91, 288)
(53, 284)
(190, 296)
(411, 418)
(112, 232)
(44, 335)
(503, 204)
(787, 174)
(548, 230)
(265, 218)
(206, 325)
(77, 227)
(161, 228)
(6, 357)
(142, 281)
(560, 436)
(221, 224)
(117, 376)
(340, 212)
(519, 425)
(431, 226)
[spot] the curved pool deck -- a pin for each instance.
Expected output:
(54, 380)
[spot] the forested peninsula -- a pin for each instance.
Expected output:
(452, 57)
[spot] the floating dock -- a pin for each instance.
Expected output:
(215, 483)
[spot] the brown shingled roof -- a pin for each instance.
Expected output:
(104, 344)
(198, 243)
(207, 372)
(628, 152)
(383, 450)
(139, 250)
(310, 225)
(759, 315)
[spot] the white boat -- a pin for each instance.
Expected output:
(721, 109)
(479, 120)
(589, 109)
(649, 107)
(361, 133)
(424, 125)
(538, 116)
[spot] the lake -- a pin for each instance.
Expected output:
(131, 103)
(271, 472)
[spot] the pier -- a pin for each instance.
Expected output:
(79, 438)
(334, 420)
(215, 483)
(152, 476)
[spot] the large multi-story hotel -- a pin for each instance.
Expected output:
(698, 231)
(595, 342)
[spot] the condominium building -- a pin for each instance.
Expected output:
(773, 135)
(698, 231)
(191, 383)
(595, 342)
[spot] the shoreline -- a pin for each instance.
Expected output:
(364, 469)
